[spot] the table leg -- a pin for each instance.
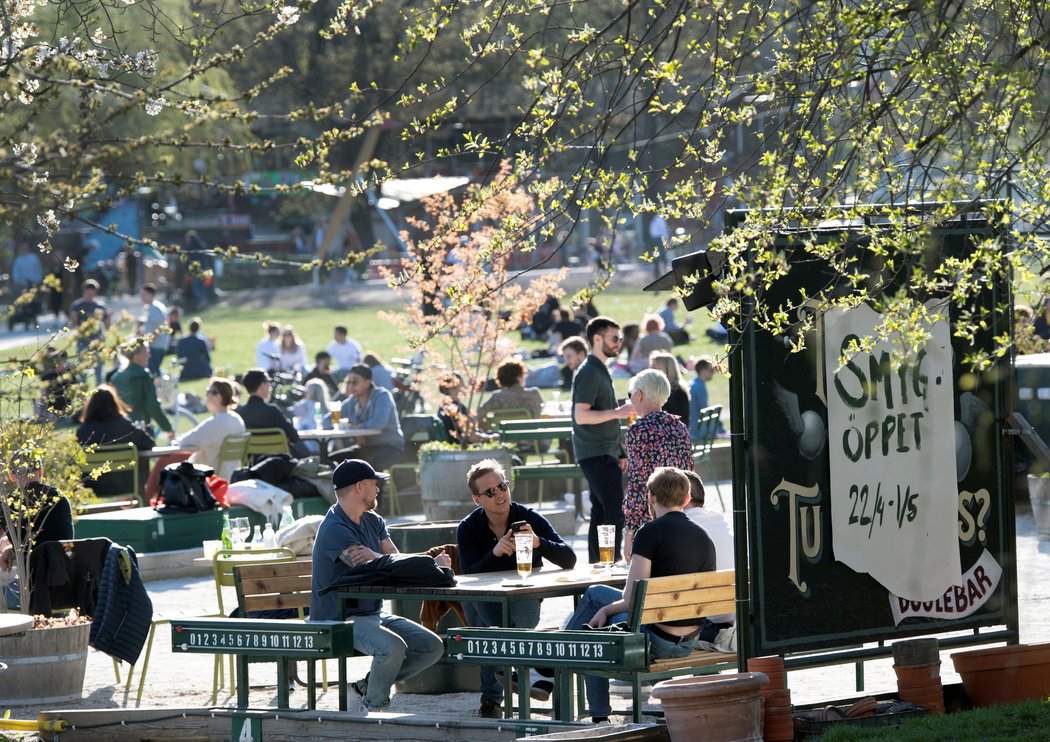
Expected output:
(342, 684)
(242, 681)
(311, 684)
(282, 683)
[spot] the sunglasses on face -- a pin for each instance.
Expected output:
(614, 338)
(493, 491)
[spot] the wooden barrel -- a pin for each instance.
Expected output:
(443, 480)
(44, 665)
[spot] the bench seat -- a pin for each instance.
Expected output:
(625, 654)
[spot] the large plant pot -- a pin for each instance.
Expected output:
(713, 708)
(44, 665)
(1005, 674)
(443, 480)
(1039, 495)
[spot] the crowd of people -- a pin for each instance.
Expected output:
(637, 481)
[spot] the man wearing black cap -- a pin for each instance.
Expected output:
(351, 534)
(369, 406)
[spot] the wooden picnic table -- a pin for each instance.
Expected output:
(498, 587)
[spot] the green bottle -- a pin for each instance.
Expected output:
(227, 540)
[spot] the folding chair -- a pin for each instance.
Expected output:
(121, 457)
(707, 432)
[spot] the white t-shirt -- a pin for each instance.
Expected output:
(264, 350)
(345, 355)
(721, 535)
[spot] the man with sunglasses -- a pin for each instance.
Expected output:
(486, 544)
(596, 436)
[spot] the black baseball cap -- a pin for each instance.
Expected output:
(352, 471)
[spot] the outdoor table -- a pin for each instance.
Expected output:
(15, 623)
(498, 587)
(556, 408)
(158, 451)
(324, 435)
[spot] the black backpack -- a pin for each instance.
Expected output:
(183, 488)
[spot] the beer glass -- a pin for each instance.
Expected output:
(606, 545)
(335, 409)
(523, 554)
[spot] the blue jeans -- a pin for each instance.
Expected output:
(400, 648)
(595, 598)
(524, 614)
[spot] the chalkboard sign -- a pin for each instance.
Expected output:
(879, 492)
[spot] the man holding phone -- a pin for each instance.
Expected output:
(486, 544)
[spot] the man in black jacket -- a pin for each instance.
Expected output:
(486, 544)
(257, 413)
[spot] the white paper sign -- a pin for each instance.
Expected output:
(891, 444)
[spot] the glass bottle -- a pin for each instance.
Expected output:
(225, 536)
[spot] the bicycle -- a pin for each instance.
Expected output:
(171, 400)
(408, 377)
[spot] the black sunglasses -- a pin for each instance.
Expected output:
(492, 491)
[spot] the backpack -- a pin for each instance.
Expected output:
(183, 488)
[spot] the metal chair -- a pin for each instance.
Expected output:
(121, 457)
(232, 454)
(223, 562)
(707, 422)
(266, 442)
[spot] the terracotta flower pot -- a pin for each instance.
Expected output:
(916, 652)
(712, 708)
(1005, 674)
(773, 668)
(918, 676)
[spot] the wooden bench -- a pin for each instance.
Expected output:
(620, 655)
(269, 640)
(275, 586)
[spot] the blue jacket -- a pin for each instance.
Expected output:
(124, 612)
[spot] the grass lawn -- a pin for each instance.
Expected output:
(237, 330)
(1023, 721)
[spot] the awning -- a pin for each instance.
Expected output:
(706, 265)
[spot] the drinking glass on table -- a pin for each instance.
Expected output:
(606, 545)
(523, 555)
(239, 530)
(335, 409)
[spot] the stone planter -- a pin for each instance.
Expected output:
(44, 665)
(713, 708)
(443, 480)
(1005, 674)
(1039, 494)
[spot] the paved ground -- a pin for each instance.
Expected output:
(181, 681)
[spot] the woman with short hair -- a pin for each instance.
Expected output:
(656, 439)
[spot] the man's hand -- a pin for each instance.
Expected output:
(625, 410)
(356, 554)
(623, 464)
(505, 546)
(442, 559)
(599, 619)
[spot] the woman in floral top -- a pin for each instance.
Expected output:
(656, 439)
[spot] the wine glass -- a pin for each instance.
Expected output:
(606, 545)
(523, 554)
(239, 530)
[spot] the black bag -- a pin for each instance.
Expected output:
(183, 488)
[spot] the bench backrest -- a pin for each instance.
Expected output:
(678, 597)
(273, 586)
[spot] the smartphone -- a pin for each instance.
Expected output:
(518, 525)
